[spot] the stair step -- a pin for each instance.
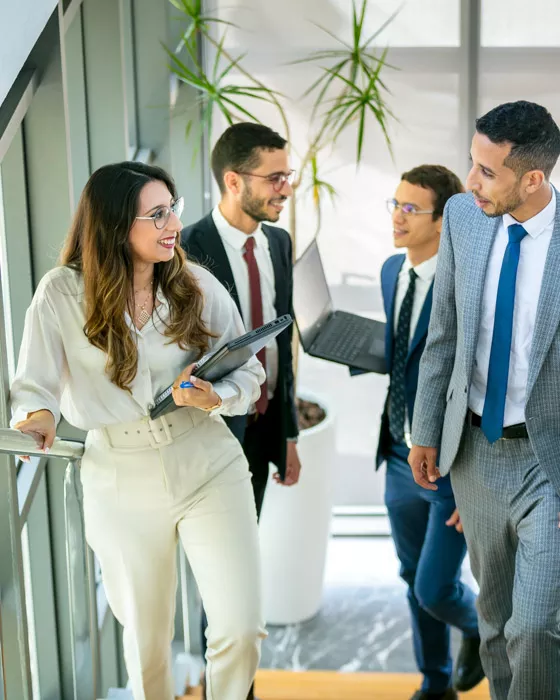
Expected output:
(360, 526)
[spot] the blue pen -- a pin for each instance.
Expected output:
(186, 385)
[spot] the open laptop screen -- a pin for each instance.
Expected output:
(312, 299)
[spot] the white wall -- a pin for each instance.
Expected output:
(21, 23)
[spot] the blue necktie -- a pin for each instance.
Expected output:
(498, 368)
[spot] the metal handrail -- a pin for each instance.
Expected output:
(16, 443)
(79, 559)
(82, 593)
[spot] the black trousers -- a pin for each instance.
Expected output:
(255, 447)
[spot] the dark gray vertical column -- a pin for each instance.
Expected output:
(105, 82)
(163, 103)
(17, 282)
(468, 76)
(47, 169)
(75, 101)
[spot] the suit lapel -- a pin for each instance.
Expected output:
(213, 245)
(423, 321)
(276, 257)
(548, 309)
(475, 271)
(390, 284)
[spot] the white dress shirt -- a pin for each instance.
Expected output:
(60, 370)
(534, 249)
(426, 272)
(234, 241)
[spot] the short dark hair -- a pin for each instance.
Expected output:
(531, 130)
(443, 183)
(238, 148)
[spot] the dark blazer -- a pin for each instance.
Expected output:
(389, 281)
(202, 244)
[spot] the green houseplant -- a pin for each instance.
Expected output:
(349, 92)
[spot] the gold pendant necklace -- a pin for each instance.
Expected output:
(142, 317)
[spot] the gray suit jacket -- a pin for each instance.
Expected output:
(448, 360)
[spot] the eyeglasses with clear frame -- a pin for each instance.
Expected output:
(406, 209)
(277, 180)
(162, 215)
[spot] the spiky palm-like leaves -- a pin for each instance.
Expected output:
(349, 91)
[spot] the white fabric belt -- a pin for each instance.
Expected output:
(156, 433)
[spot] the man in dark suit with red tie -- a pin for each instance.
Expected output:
(254, 262)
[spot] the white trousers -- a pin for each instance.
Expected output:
(145, 485)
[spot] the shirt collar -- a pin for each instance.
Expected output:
(80, 286)
(233, 236)
(160, 296)
(538, 223)
(426, 270)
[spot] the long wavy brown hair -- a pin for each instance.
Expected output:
(98, 248)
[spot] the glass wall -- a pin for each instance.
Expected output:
(520, 56)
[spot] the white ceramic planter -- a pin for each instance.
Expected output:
(295, 526)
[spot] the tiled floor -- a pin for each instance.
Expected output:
(364, 622)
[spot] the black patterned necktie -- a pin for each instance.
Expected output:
(397, 401)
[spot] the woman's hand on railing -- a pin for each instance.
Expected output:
(41, 427)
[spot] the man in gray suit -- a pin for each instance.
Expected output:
(488, 401)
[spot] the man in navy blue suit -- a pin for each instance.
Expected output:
(425, 525)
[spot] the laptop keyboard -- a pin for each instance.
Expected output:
(343, 338)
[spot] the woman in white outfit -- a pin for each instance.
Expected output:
(122, 318)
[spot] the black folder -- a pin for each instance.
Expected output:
(225, 360)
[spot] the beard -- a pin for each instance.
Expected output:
(511, 202)
(257, 208)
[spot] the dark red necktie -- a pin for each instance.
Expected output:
(256, 312)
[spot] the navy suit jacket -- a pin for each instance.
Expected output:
(389, 281)
(202, 243)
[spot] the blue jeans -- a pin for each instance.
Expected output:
(431, 554)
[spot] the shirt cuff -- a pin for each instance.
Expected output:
(21, 413)
(228, 395)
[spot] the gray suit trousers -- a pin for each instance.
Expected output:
(510, 514)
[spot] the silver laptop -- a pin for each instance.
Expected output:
(333, 335)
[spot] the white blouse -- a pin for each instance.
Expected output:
(60, 370)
